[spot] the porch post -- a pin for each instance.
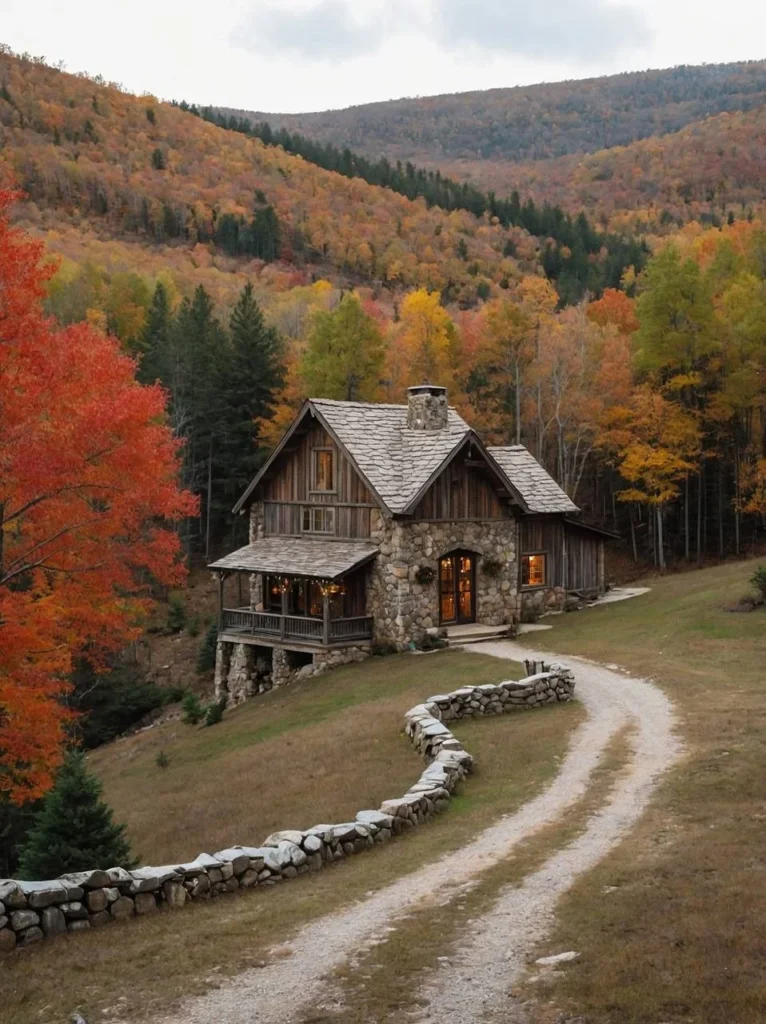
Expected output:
(326, 618)
(239, 589)
(285, 608)
(221, 576)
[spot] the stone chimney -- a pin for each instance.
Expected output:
(427, 407)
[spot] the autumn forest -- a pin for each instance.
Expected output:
(208, 269)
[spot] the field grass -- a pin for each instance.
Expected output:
(672, 926)
(342, 733)
(318, 750)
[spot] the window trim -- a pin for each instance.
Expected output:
(310, 511)
(534, 554)
(333, 489)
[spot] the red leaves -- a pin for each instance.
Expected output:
(87, 477)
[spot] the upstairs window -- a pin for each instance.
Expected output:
(323, 473)
(533, 570)
(318, 519)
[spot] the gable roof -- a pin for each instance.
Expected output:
(537, 487)
(397, 463)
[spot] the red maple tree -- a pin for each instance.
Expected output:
(88, 488)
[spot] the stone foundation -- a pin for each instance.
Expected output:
(242, 671)
(543, 599)
(31, 911)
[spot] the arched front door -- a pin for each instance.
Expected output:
(457, 587)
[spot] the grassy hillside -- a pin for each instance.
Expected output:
(311, 751)
(91, 156)
(537, 121)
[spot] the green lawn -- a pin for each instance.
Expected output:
(316, 751)
(672, 926)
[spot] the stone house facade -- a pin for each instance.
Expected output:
(376, 525)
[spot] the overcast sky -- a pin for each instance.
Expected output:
(298, 55)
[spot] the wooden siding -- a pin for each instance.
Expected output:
(288, 489)
(582, 559)
(285, 518)
(290, 479)
(462, 492)
(572, 555)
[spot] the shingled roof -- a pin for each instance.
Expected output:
(537, 487)
(298, 556)
(396, 461)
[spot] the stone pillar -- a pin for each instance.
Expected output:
(240, 678)
(281, 673)
(222, 660)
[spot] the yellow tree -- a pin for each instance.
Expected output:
(509, 351)
(426, 346)
(658, 441)
(538, 300)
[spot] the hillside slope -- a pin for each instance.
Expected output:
(129, 167)
(538, 121)
(700, 173)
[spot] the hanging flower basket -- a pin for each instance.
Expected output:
(424, 574)
(491, 567)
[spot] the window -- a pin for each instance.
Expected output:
(533, 570)
(318, 519)
(323, 471)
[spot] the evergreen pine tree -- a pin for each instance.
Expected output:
(253, 374)
(74, 831)
(156, 339)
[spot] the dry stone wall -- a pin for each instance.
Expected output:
(32, 911)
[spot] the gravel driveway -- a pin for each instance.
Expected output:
(496, 946)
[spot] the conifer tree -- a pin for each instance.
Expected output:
(75, 830)
(253, 374)
(154, 364)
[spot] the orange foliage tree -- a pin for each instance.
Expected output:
(88, 475)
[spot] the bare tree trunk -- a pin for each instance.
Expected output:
(736, 500)
(720, 508)
(686, 518)
(518, 404)
(209, 497)
(700, 477)
(660, 539)
(633, 532)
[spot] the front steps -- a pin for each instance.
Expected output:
(474, 633)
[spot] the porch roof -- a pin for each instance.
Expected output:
(298, 556)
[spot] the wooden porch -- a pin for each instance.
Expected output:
(246, 624)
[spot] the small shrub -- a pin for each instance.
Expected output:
(425, 574)
(193, 626)
(383, 650)
(214, 712)
(162, 760)
(528, 616)
(758, 579)
(192, 709)
(206, 656)
(176, 613)
(173, 694)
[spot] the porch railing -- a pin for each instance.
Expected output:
(296, 627)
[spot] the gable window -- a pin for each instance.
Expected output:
(533, 570)
(318, 519)
(323, 470)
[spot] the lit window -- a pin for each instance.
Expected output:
(318, 519)
(533, 570)
(324, 478)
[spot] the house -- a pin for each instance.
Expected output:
(373, 525)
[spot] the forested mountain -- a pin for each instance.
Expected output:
(538, 121)
(131, 167)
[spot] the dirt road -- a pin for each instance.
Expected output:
(497, 945)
